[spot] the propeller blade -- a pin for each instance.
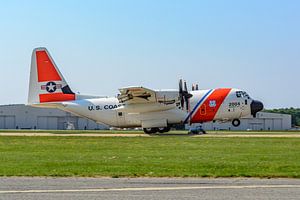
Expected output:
(180, 86)
(184, 95)
(181, 95)
(187, 103)
(185, 87)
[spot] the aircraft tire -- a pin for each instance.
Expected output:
(150, 130)
(164, 130)
(167, 129)
(236, 122)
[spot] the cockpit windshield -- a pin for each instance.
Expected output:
(240, 94)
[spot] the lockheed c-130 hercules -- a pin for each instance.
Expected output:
(153, 110)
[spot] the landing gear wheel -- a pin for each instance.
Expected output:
(167, 129)
(236, 122)
(161, 130)
(164, 130)
(150, 130)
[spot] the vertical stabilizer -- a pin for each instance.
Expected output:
(46, 82)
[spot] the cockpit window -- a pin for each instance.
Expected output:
(240, 94)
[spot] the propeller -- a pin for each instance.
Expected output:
(184, 95)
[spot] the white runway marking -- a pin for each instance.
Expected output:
(151, 189)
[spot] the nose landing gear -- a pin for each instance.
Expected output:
(236, 122)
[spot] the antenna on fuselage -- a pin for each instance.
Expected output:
(195, 87)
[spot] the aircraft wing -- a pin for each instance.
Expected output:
(133, 95)
(143, 100)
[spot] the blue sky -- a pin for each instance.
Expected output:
(101, 46)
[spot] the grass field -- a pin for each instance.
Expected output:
(222, 132)
(152, 156)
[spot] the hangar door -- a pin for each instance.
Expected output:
(49, 123)
(7, 122)
(67, 123)
(277, 124)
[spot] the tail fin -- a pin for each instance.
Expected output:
(46, 82)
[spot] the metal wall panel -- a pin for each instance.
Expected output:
(2, 122)
(50, 123)
(277, 124)
(10, 122)
(7, 122)
(42, 123)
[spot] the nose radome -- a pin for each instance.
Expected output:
(256, 106)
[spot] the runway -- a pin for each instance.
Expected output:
(148, 188)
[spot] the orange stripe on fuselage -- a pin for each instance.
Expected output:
(207, 111)
(56, 97)
(45, 68)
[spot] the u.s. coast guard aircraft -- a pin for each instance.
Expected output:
(153, 110)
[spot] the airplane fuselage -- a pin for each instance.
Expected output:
(206, 105)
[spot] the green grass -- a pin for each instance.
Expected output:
(68, 131)
(151, 157)
(253, 132)
(225, 132)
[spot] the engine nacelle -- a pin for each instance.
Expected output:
(167, 97)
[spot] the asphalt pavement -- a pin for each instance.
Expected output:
(148, 188)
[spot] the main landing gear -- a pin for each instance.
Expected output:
(155, 130)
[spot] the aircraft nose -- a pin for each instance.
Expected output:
(256, 106)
